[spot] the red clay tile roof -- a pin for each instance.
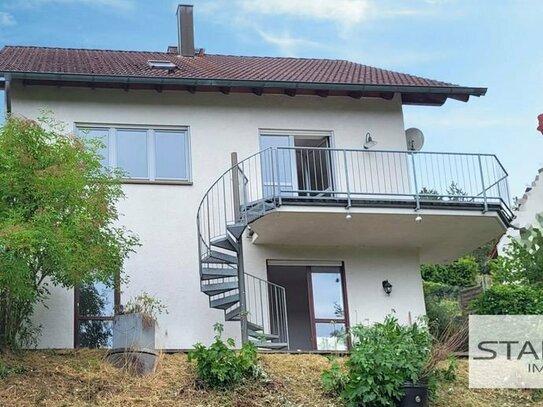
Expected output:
(224, 73)
(219, 67)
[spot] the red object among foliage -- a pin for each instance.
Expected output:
(540, 127)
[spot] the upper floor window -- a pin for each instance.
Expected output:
(148, 154)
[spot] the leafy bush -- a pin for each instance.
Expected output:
(442, 307)
(220, 366)
(440, 291)
(335, 378)
(520, 264)
(509, 300)
(383, 358)
(442, 314)
(461, 273)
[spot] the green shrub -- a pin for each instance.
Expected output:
(442, 307)
(439, 291)
(443, 315)
(334, 379)
(509, 300)
(220, 366)
(384, 357)
(461, 273)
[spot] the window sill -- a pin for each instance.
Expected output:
(157, 182)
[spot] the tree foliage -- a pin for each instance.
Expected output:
(57, 219)
(461, 273)
(517, 277)
(503, 299)
(522, 262)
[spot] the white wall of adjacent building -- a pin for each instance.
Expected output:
(164, 216)
(530, 205)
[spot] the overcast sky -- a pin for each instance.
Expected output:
(490, 43)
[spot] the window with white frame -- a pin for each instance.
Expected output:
(151, 154)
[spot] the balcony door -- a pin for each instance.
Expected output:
(297, 164)
(277, 166)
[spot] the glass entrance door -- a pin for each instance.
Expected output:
(328, 308)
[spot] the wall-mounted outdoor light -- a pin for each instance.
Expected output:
(370, 142)
(387, 287)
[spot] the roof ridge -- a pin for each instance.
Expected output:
(85, 49)
(282, 57)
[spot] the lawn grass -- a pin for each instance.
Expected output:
(83, 378)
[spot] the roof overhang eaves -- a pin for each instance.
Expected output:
(456, 92)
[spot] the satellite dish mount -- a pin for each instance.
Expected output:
(414, 139)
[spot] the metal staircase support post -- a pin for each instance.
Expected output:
(241, 274)
(242, 295)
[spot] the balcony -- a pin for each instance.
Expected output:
(441, 204)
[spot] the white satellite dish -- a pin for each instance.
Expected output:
(414, 139)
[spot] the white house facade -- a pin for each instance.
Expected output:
(277, 196)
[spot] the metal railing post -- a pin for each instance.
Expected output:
(235, 186)
(415, 183)
(347, 179)
(284, 296)
(274, 149)
(483, 184)
(270, 151)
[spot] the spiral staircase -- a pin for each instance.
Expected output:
(228, 207)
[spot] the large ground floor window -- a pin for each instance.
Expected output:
(95, 306)
(316, 304)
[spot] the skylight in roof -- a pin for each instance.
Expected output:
(161, 64)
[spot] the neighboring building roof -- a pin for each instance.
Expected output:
(221, 70)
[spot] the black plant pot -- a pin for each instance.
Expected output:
(416, 395)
